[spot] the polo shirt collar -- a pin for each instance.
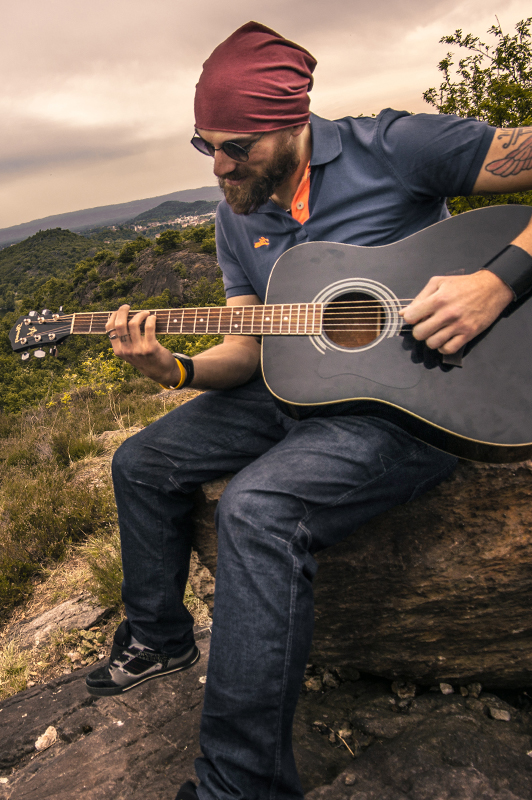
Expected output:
(326, 142)
(326, 146)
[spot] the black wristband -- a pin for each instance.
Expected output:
(513, 265)
(188, 364)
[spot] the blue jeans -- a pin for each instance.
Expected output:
(300, 486)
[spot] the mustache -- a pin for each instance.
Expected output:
(236, 175)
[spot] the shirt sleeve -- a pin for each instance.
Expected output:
(433, 155)
(236, 282)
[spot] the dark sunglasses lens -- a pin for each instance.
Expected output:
(235, 152)
(203, 146)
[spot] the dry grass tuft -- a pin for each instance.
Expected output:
(14, 670)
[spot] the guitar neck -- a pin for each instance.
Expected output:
(292, 319)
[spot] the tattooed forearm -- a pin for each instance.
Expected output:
(514, 134)
(516, 161)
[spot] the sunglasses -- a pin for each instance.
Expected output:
(236, 152)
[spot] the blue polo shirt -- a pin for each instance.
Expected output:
(374, 180)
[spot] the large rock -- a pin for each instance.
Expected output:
(436, 590)
(383, 742)
(78, 613)
(138, 745)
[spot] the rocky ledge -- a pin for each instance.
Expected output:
(437, 590)
(356, 737)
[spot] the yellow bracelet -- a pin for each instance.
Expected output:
(182, 378)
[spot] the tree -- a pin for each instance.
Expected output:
(492, 83)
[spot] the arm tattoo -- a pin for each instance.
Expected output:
(515, 161)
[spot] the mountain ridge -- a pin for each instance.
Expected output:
(77, 221)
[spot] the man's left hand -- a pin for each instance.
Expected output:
(453, 309)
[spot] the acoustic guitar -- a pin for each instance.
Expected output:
(332, 334)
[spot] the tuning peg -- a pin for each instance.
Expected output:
(39, 354)
(33, 314)
(25, 356)
(46, 312)
(53, 351)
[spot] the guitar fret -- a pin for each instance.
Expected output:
(320, 318)
(246, 321)
(236, 327)
(269, 318)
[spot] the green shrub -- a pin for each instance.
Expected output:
(205, 293)
(208, 245)
(67, 448)
(181, 270)
(131, 249)
(169, 240)
(197, 235)
(22, 457)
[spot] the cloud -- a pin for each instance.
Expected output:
(102, 92)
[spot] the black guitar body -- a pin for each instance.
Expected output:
(480, 410)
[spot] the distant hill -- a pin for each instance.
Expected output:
(171, 209)
(103, 215)
(27, 265)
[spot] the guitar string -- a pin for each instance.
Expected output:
(339, 318)
(336, 317)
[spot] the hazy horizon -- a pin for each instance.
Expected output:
(98, 98)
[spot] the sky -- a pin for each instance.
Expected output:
(96, 99)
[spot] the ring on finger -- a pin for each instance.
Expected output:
(113, 337)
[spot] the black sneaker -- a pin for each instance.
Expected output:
(132, 663)
(187, 792)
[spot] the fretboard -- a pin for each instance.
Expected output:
(290, 319)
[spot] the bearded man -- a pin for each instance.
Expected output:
(304, 480)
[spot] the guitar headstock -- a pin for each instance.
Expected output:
(39, 330)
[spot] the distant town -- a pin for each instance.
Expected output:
(183, 222)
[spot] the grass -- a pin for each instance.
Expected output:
(49, 497)
(102, 555)
(14, 670)
(58, 530)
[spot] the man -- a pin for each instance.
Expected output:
(301, 484)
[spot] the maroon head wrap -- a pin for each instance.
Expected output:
(254, 81)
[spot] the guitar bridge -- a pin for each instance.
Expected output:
(454, 359)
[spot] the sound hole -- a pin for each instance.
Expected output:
(354, 319)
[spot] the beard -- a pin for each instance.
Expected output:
(257, 189)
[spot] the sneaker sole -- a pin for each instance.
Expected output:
(102, 691)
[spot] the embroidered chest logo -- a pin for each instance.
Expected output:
(262, 242)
